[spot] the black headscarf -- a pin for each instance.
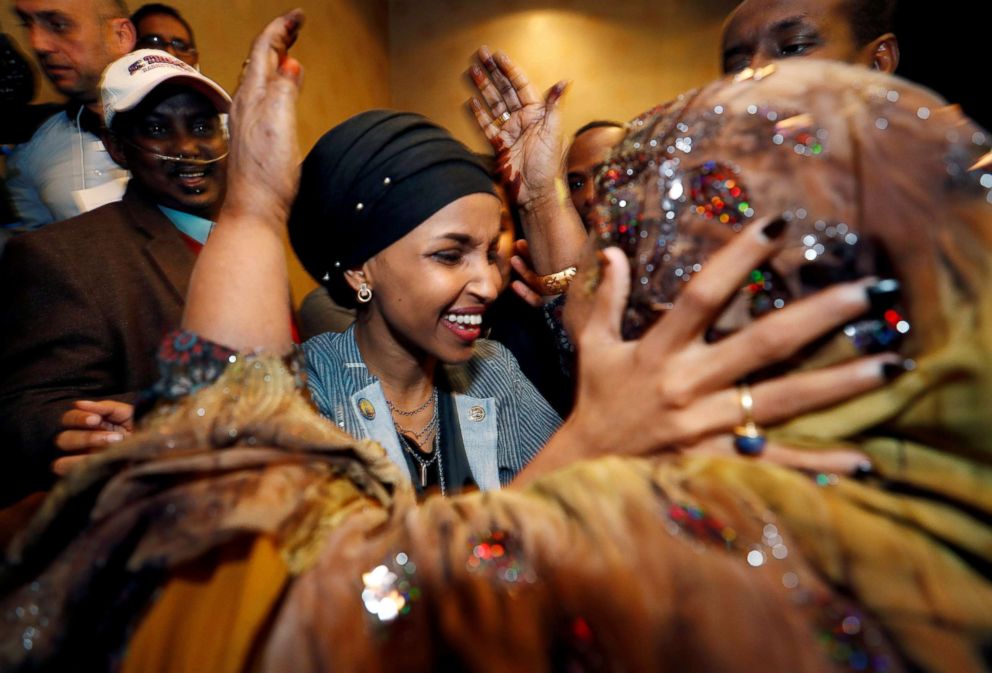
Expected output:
(367, 183)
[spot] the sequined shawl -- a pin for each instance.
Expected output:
(877, 177)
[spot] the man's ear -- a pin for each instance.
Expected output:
(115, 148)
(883, 53)
(125, 35)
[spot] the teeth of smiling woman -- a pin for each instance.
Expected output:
(464, 318)
(192, 173)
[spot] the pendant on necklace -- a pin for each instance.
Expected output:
(423, 475)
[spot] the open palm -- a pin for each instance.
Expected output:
(523, 128)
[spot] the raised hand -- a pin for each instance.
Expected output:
(264, 165)
(523, 128)
(238, 293)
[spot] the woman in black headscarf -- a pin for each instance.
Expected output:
(399, 220)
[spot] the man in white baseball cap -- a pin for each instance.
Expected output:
(149, 88)
(128, 80)
(87, 300)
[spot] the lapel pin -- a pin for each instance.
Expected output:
(366, 408)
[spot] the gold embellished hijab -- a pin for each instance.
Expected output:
(876, 177)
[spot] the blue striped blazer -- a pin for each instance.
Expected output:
(503, 420)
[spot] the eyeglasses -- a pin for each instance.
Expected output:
(153, 41)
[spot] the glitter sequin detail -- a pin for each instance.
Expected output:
(389, 590)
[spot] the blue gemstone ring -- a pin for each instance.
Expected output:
(749, 440)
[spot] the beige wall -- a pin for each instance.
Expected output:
(622, 56)
(343, 48)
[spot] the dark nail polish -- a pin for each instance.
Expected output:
(774, 229)
(893, 370)
(864, 470)
(883, 295)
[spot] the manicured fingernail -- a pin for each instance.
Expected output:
(92, 421)
(774, 229)
(893, 370)
(113, 437)
(864, 469)
(883, 295)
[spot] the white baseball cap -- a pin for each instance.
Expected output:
(130, 78)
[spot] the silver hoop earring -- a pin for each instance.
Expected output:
(364, 293)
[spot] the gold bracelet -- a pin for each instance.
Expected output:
(556, 283)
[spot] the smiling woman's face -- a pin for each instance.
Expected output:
(432, 286)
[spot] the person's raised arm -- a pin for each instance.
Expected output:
(525, 130)
(238, 293)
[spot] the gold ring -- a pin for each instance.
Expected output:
(556, 283)
(749, 440)
(502, 119)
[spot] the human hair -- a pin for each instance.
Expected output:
(153, 8)
(870, 19)
(598, 124)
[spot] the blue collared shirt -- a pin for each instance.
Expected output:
(194, 226)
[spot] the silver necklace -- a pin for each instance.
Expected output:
(406, 437)
(424, 464)
(430, 400)
(424, 431)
